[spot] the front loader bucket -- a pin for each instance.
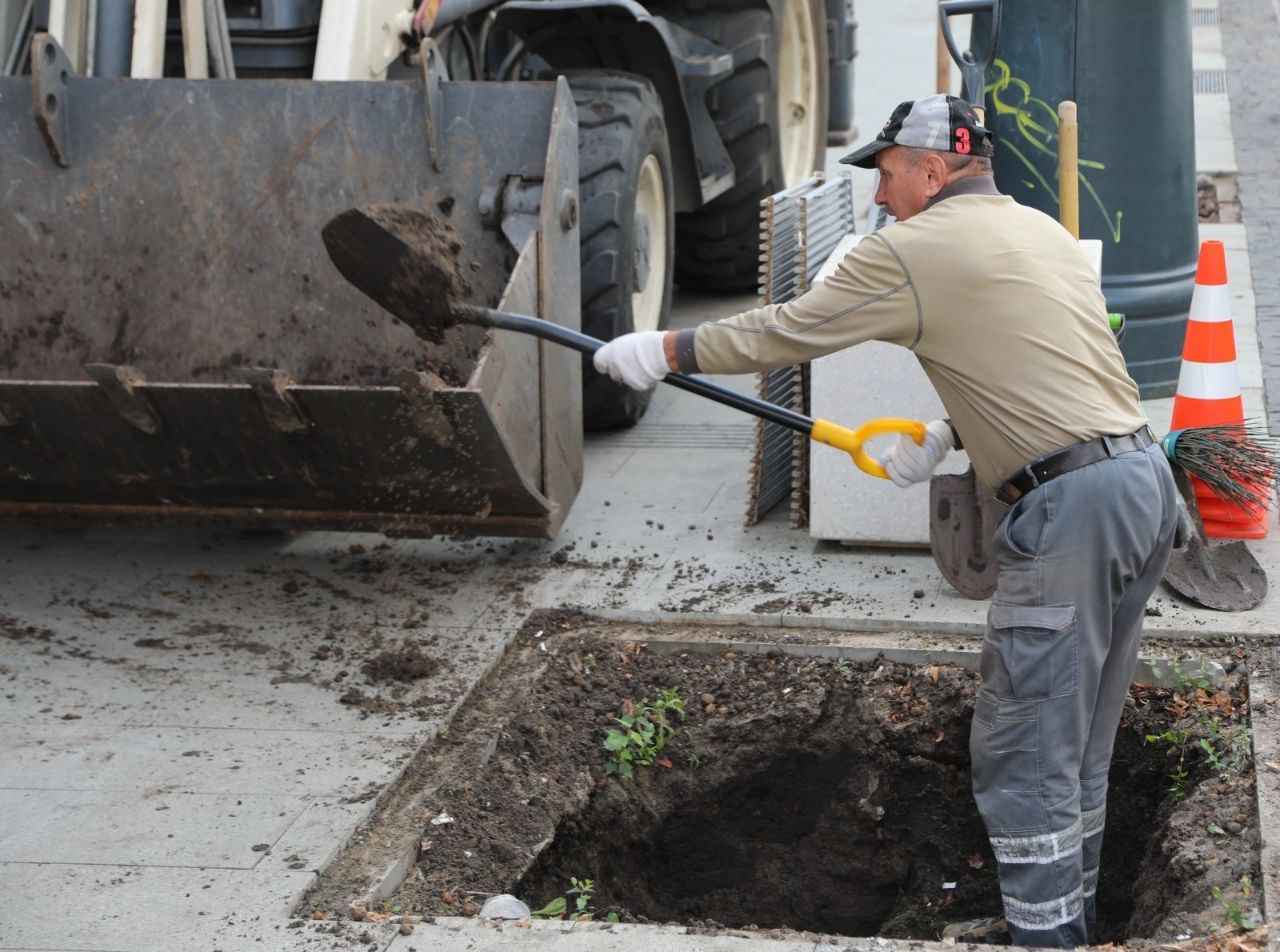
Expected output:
(176, 348)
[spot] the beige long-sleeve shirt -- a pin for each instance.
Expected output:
(998, 303)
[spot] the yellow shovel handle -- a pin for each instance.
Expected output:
(843, 438)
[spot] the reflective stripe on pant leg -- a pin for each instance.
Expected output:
(1040, 873)
(1038, 847)
(1040, 916)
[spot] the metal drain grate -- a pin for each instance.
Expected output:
(1210, 81)
(682, 436)
(1204, 16)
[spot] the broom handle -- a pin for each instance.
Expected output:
(943, 70)
(1069, 168)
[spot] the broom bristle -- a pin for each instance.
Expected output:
(1238, 461)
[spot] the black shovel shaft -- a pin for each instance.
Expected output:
(523, 324)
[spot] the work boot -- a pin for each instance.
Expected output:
(990, 931)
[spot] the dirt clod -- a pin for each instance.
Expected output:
(407, 662)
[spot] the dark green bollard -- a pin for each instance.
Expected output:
(1127, 64)
(842, 47)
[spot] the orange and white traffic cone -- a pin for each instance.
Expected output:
(1209, 388)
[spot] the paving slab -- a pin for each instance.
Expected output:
(140, 909)
(39, 691)
(205, 761)
(317, 834)
(304, 695)
(144, 828)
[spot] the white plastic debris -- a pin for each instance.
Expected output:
(948, 885)
(504, 906)
(441, 818)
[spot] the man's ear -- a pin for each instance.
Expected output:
(936, 169)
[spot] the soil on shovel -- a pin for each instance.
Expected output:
(796, 794)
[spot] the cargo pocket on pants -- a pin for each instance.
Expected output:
(1004, 750)
(1031, 652)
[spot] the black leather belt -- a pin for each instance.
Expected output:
(1039, 472)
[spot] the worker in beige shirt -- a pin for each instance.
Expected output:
(1004, 312)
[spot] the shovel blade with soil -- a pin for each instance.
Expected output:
(405, 259)
(1222, 577)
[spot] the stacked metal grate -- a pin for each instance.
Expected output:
(799, 228)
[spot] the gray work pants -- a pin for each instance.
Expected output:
(1079, 557)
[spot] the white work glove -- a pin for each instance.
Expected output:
(638, 360)
(909, 462)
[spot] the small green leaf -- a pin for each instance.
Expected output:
(615, 740)
(1216, 830)
(552, 910)
(612, 917)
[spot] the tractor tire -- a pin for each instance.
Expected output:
(772, 115)
(627, 227)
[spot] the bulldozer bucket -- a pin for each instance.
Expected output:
(176, 348)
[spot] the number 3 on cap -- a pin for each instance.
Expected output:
(962, 141)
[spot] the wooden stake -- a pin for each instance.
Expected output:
(148, 39)
(195, 44)
(944, 64)
(1069, 168)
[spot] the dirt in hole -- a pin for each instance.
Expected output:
(800, 794)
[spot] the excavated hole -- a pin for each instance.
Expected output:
(858, 842)
(799, 793)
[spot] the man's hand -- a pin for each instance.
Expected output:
(638, 360)
(909, 462)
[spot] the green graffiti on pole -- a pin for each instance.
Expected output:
(1035, 123)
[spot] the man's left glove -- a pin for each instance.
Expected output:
(638, 360)
(909, 462)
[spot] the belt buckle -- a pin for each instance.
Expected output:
(1009, 493)
(1015, 492)
(1031, 474)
